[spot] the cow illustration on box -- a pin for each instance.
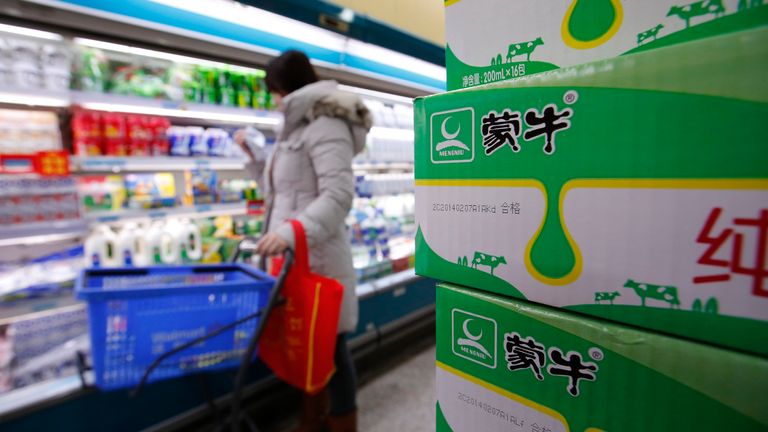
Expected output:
(490, 261)
(699, 8)
(645, 291)
(606, 296)
(523, 48)
(649, 34)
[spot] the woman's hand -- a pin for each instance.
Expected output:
(239, 138)
(271, 244)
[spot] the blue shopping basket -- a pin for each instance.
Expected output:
(203, 315)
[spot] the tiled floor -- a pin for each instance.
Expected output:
(402, 399)
(396, 391)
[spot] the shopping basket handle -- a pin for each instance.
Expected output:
(274, 298)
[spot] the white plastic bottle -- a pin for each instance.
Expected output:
(101, 248)
(191, 241)
(161, 245)
(132, 247)
(187, 240)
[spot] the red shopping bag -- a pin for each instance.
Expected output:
(300, 337)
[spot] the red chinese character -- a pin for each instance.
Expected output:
(735, 265)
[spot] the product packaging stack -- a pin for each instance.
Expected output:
(593, 191)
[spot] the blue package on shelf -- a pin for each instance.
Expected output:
(137, 314)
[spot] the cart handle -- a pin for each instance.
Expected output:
(274, 298)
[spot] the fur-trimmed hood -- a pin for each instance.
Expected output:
(323, 98)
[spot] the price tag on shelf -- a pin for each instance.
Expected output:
(52, 163)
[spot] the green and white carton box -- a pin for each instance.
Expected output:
(509, 365)
(493, 40)
(634, 189)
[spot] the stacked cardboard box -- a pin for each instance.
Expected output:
(633, 189)
(509, 365)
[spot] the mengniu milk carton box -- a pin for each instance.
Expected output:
(494, 40)
(509, 365)
(634, 189)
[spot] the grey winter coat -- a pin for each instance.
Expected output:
(309, 177)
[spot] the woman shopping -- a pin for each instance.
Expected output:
(309, 178)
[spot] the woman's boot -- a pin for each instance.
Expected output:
(343, 423)
(314, 412)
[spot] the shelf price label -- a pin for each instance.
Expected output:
(52, 163)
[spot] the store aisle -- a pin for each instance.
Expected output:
(403, 398)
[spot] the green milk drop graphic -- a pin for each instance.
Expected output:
(590, 23)
(552, 254)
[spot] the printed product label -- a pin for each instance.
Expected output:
(693, 250)
(470, 407)
(495, 40)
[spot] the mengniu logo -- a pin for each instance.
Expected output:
(474, 338)
(452, 136)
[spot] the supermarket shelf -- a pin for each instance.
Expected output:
(34, 97)
(42, 232)
(117, 164)
(51, 232)
(387, 282)
(198, 211)
(205, 112)
(48, 392)
(383, 167)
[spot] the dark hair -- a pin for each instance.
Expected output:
(289, 72)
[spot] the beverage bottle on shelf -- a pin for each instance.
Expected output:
(263, 98)
(255, 83)
(193, 240)
(244, 92)
(209, 89)
(228, 88)
(100, 248)
(132, 247)
(161, 247)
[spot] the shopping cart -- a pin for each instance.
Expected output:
(155, 323)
